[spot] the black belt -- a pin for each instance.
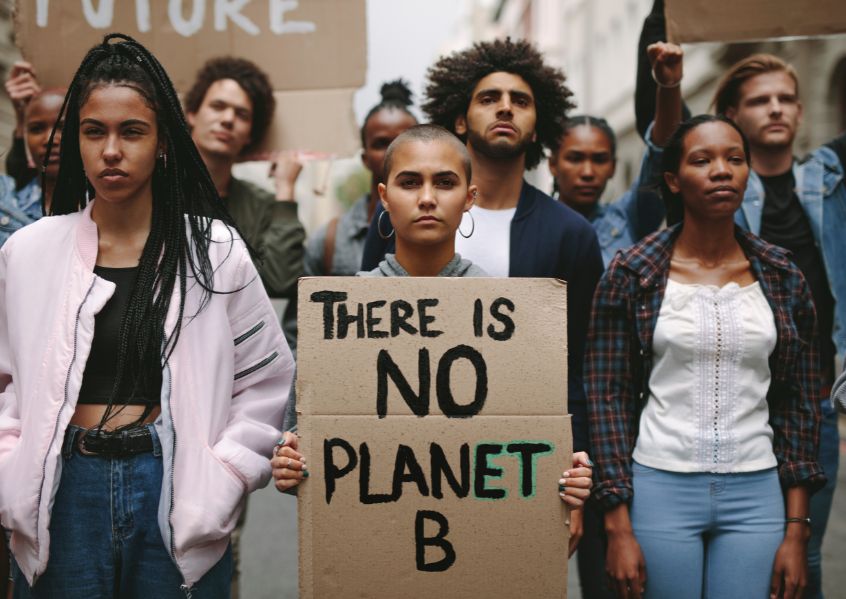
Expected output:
(118, 444)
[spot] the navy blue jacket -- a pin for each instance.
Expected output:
(548, 239)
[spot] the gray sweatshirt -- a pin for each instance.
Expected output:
(457, 267)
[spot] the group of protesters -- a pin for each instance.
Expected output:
(148, 383)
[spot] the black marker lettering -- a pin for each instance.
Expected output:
(441, 469)
(327, 298)
(439, 540)
(526, 450)
(425, 319)
(407, 462)
(385, 367)
(345, 320)
(330, 470)
(364, 494)
(484, 469)
(372, 321)
(446, 401)
(508, 323)
(401, 311)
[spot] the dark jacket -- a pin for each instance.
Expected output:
(274, 231)
(618, 363)
(548, 239)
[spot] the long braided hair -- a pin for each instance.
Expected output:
(184, 203)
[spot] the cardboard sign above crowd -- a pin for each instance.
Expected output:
(315, 51)
(748, 20)
(432, 414)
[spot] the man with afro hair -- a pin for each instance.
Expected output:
(508, 106)
(230, 108)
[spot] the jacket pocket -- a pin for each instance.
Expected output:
(18, 495)
(207, 508)
(256, 366)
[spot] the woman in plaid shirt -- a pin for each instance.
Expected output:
(702, 386)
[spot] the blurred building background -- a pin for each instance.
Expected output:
(595, 43)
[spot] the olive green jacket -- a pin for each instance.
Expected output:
(274, 231)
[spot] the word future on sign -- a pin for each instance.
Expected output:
(224, 13)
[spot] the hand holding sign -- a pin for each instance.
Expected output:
(288, 465)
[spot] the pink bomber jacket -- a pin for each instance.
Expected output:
(223, 397)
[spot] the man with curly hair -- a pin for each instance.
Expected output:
(230, 108)
(507, 105)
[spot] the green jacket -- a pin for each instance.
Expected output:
(274, 231)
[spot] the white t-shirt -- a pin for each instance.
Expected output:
(707, 409)
(489, 247)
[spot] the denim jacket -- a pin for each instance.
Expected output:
(822, 193)
(637, 213)
(18, 208)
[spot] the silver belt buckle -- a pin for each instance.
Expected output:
(80, 443)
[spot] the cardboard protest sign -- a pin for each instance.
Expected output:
(313, 50)
(432, 414)
(732, 21)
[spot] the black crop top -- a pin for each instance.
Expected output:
(101, 367)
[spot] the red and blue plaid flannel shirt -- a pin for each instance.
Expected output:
(618, 360)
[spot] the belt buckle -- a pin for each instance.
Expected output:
(80, 443)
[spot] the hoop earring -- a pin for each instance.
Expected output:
(379, 226)
(163, 158)
(472, 227)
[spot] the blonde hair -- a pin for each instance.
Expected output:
(728, 90)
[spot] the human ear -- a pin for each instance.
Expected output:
(672, 181)
(730, 113)
(460, 125)
(472, 192)
(383, 196)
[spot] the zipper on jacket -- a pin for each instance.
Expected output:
(172, 465)
(244, 336)
(56, 424)
(255, 367)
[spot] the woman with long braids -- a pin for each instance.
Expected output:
(144, 373)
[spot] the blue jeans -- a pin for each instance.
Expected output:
(707, 535)
(829, 458)
(104, 535)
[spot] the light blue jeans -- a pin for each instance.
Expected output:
(105, 541)
(821, 501)
(707, 535)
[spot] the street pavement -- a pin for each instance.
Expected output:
(269, 544)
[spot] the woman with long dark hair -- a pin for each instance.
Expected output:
(703, 392)
(145, 372)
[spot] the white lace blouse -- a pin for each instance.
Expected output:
(707, 409)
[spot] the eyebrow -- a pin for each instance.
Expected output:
(126, 123)
(242, 107)
(514, 92)
(417, 174)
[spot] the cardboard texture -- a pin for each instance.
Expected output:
(747, 20)
(457, 495)
(314, 51)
